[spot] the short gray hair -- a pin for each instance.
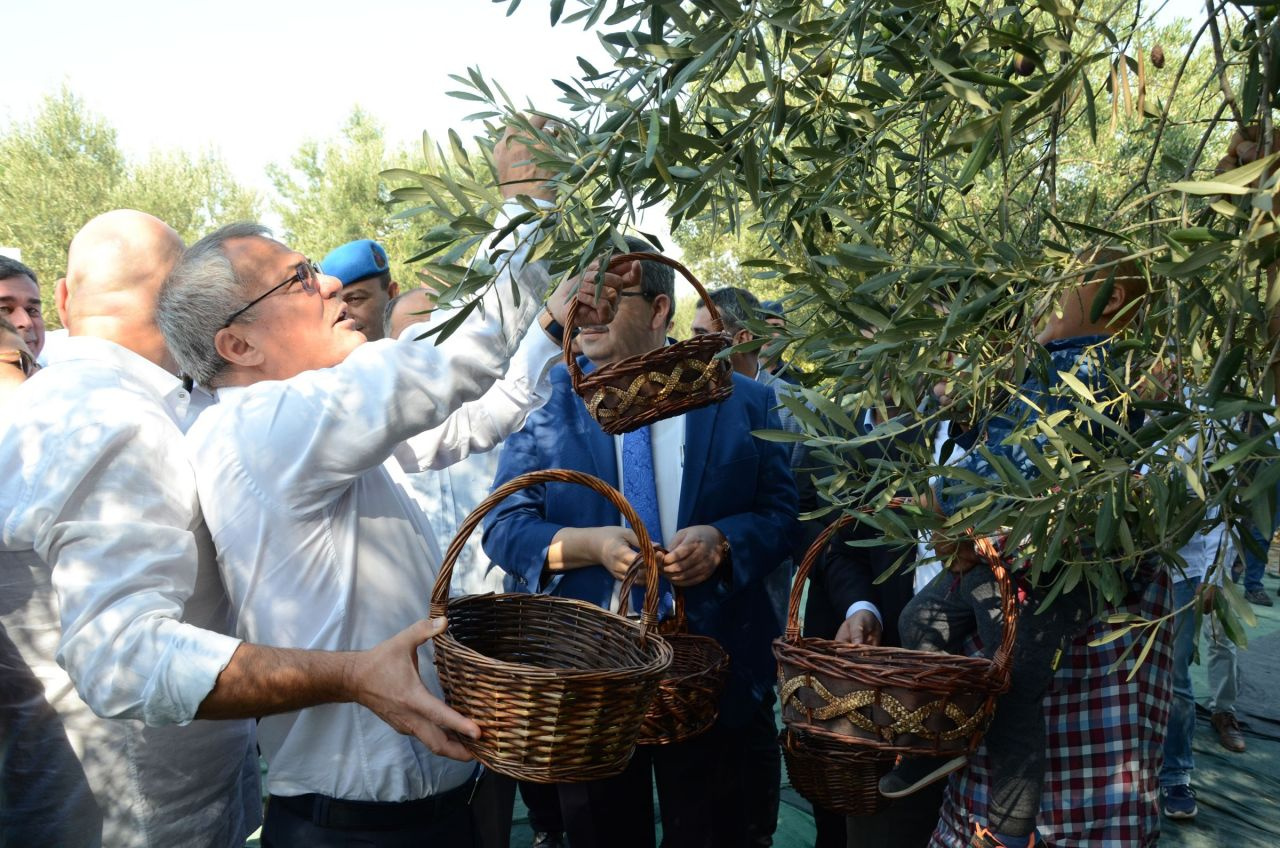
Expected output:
(387, 310)
(736, 306)
(202, 291)
(655, 278)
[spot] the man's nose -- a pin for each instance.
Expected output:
(329, 286)
(21, 320)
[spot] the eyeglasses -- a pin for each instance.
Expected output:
(305, 274)
(644, 294)
(20, 359)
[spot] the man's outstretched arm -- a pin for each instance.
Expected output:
(261, 681)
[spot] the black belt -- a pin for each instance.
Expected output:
(323, 811)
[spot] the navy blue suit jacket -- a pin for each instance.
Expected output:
(731, 480)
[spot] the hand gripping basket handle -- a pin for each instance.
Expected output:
(571, 361)
(678, 622)
(648, 616)
(1003, 658)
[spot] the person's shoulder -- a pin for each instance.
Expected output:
(751, 391)
(68, 396)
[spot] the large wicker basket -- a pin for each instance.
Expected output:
(665, 382)
(893, 700)
(559, 687)
(688, 699)
(840, 778)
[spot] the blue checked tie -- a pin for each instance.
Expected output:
(641, 492)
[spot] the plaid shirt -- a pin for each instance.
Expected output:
(1104, 740)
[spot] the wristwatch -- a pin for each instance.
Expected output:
(550, 325)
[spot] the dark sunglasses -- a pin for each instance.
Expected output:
(305, 274)
(20, 359)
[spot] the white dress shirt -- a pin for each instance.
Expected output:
(320, 542)
(97, 483)
(448, 495)
(666, 442)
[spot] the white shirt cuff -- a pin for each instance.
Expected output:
(859, 606)
(191, 667)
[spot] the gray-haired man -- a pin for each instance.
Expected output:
(320, 543)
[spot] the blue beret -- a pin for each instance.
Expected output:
(356, 261)
(772, 307)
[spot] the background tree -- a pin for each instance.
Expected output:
(64, 166)
(333, 192)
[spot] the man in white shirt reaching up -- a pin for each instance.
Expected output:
(319, 542)
(99, 490)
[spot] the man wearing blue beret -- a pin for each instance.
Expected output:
(365, 274)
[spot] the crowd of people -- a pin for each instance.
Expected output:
(230, 484)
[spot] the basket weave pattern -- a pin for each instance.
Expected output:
(893, 700)
(688, 699)
(665, 382)
(559, 687)
(836, 777)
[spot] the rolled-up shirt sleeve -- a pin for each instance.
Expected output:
(111, 506)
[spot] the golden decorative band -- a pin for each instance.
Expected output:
(670, 383)
(906, 721)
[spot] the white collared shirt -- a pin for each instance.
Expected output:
(448, 494)
(321, 543)
(97, 483)
(666, 441)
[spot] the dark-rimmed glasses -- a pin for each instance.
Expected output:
(305, 274)
(20, 359)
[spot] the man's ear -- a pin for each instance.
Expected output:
(393, 289)
(1116, 301)
(743, 336)
(233, 346)
(662, 307)
(60, 298)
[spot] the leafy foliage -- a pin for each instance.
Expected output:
(926, 180)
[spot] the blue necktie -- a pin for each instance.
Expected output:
(641, 492)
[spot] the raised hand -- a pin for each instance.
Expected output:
(516, 155)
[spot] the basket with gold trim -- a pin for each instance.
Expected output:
(894, 700)
(559, 687)
(665, 382)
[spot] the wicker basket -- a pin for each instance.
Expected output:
(890, 699)
(671, 380)
(688, 700)
(837, 777)
(559, 687)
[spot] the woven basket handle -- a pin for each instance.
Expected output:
(678, 623)
(1003, 657)
(648, 616)
(571, 361)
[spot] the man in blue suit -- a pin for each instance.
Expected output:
(723, 505)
